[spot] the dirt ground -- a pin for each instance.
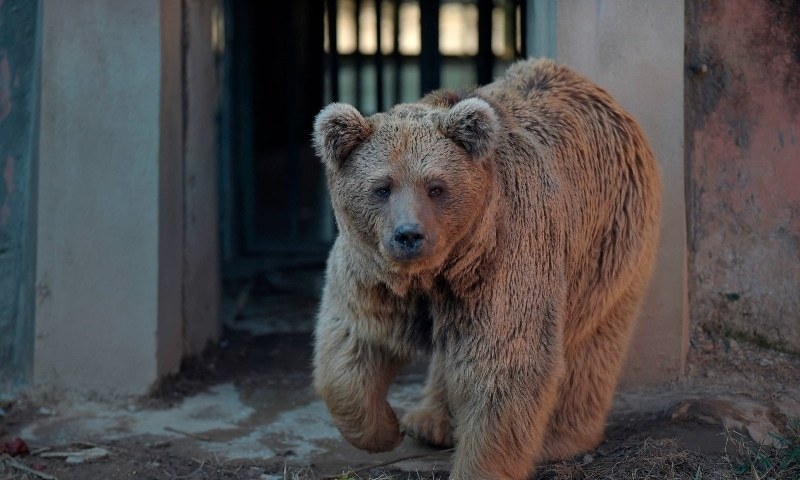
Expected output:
(700, 427)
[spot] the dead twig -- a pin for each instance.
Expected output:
(242, 298)
(188, 434)
(90, 445)
(41, 450)
(386, 464)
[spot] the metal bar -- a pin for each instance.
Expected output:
(398, 61)
(523, 26)
(510, 19)
(357, 54)
(230, 234)
(484, 61)
(243, 78)
(292, 126)
(378, 57)
(333, 50)
(430, 58)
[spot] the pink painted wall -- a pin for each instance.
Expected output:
(742, 99)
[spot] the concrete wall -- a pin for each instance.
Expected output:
(202, 290)
(743, 161)
(127, 278)
(541, 29)
(19, 67)
(108, 278)
(634, 49)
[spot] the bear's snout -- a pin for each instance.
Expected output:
(407, 241)
(409, 235)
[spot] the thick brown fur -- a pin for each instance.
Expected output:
(537, 200)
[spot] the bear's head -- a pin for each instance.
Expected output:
(409, 183)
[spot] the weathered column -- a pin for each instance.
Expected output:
(110, 220)
(634, 49)
(201, 274)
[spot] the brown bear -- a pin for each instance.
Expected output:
(509, 231)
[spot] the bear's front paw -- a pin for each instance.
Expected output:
(374, 433)
(429, 425)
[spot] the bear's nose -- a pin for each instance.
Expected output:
(409, 235)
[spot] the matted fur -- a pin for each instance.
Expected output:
(539, 200)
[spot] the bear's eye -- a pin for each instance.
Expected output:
(435, 191)
(382, 192)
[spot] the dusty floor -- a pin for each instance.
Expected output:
(246, 411)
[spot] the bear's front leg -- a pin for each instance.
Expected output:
(360, 346)
(353, 378)
(502, 390)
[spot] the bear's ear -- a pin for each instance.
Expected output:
(338, 129)
(473, 124)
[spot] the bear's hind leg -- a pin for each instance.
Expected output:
(430, 422)
(587, 390)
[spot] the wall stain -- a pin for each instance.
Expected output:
(743, 205)
(786, 32)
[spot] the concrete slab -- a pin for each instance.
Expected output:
(235, 423)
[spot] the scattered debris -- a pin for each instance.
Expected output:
(10, 462)
(15, 447)
(80, 456)
(741, 413)
(159, 444)
(46, 412)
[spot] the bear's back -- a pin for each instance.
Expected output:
(582, 148)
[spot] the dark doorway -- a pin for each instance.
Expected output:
(275, 69)
(282, 62)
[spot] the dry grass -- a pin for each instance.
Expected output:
(643, 459)
(780, 460)
(666, 459)
(647, 458)
(308, 474)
